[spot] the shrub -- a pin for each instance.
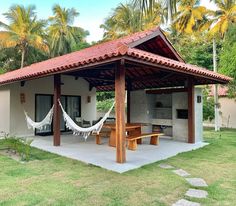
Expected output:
(18, 145)
(208, 106)
(105, 105)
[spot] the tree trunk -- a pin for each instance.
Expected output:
(169, 20)
(217, 127)
(22, 58)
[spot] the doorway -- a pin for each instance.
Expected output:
(44, 102)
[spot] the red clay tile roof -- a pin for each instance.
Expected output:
(98, 54)
(175, 65)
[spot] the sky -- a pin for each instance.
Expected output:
(92, 12)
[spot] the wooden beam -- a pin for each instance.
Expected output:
(151, 77)
(138, 62)
(57, 111)
(99, 79)
(191, 112)
(120, 112)
(166, 91)
(129, 88)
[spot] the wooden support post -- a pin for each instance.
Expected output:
(120, 112)
(128, 100)
(191, 112)
(57, 111)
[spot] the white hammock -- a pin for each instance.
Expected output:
(39, 125)
(84, 132)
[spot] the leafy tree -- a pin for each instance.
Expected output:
(225, 16)
(148, 8)
(125, 20)
(23, 31)
(189, 16)
(27, 40)
(101, 96)
(105, 105)
(227, 62)
(105, 100)
(195, 49)
(208, 106)
(10, 59)
(63, 37)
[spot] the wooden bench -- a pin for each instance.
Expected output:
(103, 133)
(133, 141)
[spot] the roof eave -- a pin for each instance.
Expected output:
(153, 64)
(157, 32)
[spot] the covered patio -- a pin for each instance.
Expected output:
(103, 156)
(143, 61)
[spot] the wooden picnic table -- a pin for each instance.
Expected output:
(132, 129)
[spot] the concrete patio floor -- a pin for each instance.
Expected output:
(104, 156)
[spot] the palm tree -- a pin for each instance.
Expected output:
(224, 17)
(63, 37)
(123, 21)
(126, 20)
(23, 30)
(193, 18)
(148, 7)
(190, 16)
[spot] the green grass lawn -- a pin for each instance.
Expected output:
(53, 180)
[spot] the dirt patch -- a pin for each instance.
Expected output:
(58, 174)
(11, 154)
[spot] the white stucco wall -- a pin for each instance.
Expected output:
(180, 126)
(227, 112)
(140, 109)
(198, 115)
(70, 86)
(227, 118)
(163, 115)
(143, 109)
(4, 110)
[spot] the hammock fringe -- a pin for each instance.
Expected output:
(39, 125)
(81, 131)
(70, 124)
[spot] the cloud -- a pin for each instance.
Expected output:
(93, 26)
(210, 5)
(2, 18)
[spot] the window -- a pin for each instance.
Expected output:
(182, 114)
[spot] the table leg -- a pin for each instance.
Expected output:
(132, 144)
(136, 132)
(139, 141)
(98, 139)
(112, 139)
